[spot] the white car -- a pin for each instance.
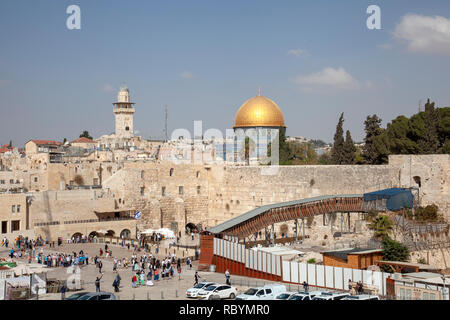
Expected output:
(217, 291)
(305, 296)
(193, 292)
(268, 292)
(362, 297)
(331, 296)
(285, 295)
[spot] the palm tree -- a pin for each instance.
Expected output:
(382, 225)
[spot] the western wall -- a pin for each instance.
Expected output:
(212, 194)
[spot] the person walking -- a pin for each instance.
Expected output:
(133, 281)
(196, 276)
(97, 284)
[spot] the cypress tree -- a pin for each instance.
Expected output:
(337, 152)
(429, 143)
(373, 130)
(349, 149)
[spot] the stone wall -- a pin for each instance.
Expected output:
(430, 173)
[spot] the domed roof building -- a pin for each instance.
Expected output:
(257, 112)
(259, 119)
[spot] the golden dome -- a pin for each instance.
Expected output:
(259, 111)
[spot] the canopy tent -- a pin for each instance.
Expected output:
(396, 198)
(167, 233)
(23, 269)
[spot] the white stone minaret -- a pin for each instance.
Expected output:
(124, 113)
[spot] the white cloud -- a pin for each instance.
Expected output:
(187, 75)
(424, 33)
(297, 52)
(329, 78)
(108, 88)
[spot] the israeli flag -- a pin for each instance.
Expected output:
(137, 215)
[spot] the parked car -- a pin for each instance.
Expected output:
(217, 291)
(284, 295)
(92, 296)
(362, 297)
(268, 292)
(331, 296)
(193, 292)
(76, 296)
(305, 295)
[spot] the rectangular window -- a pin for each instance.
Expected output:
(18, 208)
(425, 296)
(13, 208)
(35, 179)
(163, 191)
(95, 181)
(180, 190)
(432, 296)
(11, 181)
(142, 191)
(408, 294)
(198, 189)
(4, 226)
(15, 225)
(2, 181)
(402, 294)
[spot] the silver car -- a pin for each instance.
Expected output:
(92, 296)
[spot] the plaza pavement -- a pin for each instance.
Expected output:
(164, 289)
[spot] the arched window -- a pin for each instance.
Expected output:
(171, 172)
(418, 181)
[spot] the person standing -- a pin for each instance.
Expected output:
(100, 265)
(179, 272)
(305, 286)
(227, 277)
(63, 292)
(97, 284)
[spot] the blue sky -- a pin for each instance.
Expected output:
(203, 59)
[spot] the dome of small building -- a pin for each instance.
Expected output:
(124, 88)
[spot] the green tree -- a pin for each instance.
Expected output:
(393, 251)
(337, 152)
(371, 152)
(302, 153)
(86, 134)
(382, 225)
(325, 159)
(429, 143)
(349, 149)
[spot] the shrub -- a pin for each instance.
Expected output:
(78, 180)
(422, 261)
(393, 251)
(312, 260)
